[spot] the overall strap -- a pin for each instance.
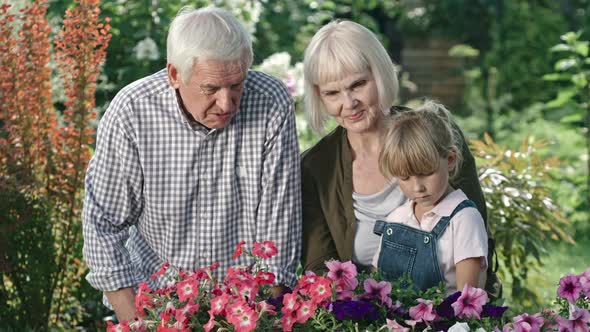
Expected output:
(379, 227)
(444, 221)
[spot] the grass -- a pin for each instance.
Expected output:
(563, 259)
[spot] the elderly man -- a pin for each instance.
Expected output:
(191, 160)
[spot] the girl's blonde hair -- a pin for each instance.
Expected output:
(415, 141)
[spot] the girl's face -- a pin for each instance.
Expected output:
(353, 101)
(427, 190)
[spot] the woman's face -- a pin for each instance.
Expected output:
(353, 101)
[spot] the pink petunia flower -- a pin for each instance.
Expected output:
(423, 311)
(569, 288)
(248, 289)
(578, 321)
(187, 289)
(239, 251)
(264, 307)
(321, 290)
(470, 303)
(183, 314)
(344, 274)
(211, 323)
(290, 303)
(305, 311)
(288, 320)
(245, 321)
(379, 290)
(527, 323)
(218, 304)
(265, 249)
(394, 326)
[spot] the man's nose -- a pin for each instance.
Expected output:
(224, 100)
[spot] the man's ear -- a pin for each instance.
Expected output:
(173, 76)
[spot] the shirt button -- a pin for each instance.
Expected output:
(204, 255)
(426, 240)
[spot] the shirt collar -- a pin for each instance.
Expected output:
(448, 204)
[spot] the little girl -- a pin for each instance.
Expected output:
(438, 234)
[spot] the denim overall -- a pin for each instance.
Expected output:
(411, 251)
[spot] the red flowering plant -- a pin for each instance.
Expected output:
(340, 300)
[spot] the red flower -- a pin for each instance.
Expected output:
(161, 271)
(265, 278)
(265, 249)
(121, 327)
(239, 251)
(245, 321)
(321, 290)
(218, 304)
(184, 313)
(187, 289)
(306, 310)
(142, 299)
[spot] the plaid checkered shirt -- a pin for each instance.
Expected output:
(162, 189)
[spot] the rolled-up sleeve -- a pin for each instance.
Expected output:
(279, 212)
(112, 204)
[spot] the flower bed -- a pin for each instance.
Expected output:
(342, 300)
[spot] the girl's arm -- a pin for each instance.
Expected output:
(468, 271)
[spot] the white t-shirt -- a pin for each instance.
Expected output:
(465, 236)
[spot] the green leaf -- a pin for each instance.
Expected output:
(563, 97)
(561, 48)
(565, 64)
(463, 50)
(580, 80)
(576, 117)
(556, 77)
(581, 48)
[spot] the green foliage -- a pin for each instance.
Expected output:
(522, 35)
(571, 106)
(28, 261)
(522, 215)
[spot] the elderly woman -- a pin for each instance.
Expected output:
(350, 77)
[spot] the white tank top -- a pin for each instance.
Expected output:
(368, 209)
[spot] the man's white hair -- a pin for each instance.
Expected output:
(207, 34)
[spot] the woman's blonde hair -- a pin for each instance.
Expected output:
(342, 48)
(415, 141)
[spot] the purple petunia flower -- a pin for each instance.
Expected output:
(444, 309)
(354, 310)
(569, 288)
(489, 310)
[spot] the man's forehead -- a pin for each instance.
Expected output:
(208, 67)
